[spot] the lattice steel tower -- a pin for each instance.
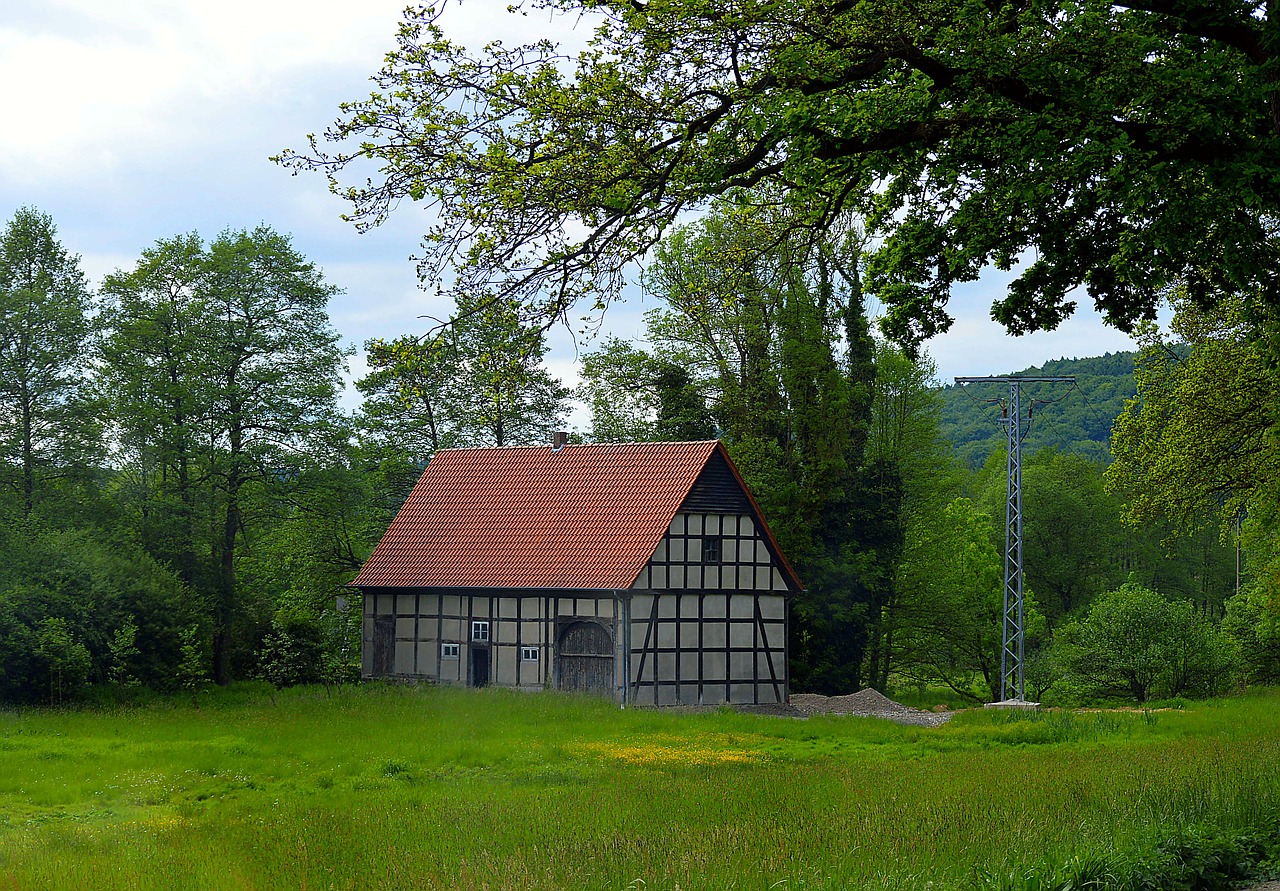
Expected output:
(1013, 636)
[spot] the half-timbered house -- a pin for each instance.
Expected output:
(641, 571)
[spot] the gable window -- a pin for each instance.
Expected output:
(711, 549)
(448, 651)
(528, 654)
(479, 630)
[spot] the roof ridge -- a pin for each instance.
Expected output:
(577, 445)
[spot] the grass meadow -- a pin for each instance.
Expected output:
(402, 787)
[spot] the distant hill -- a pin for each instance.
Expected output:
(1073, 418)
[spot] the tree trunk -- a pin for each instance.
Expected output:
(28, 457)
(227, 605)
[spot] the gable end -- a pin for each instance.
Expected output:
(717, 490)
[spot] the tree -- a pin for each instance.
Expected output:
(223, 371)
(155, 370)
(406, 394)
(904, 435)
(949, 611)
(45, 423)
(1198, 440)
(1133, 642)
(618, 386)
(1253, 621)
(1073, 534)
(273, 376)
(502, 394)
(479, 381)
(1115, 146)
(635, 396)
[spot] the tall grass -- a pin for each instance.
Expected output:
(435, 787)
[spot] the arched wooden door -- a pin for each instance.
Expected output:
(585, 659)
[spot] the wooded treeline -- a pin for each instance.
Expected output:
(183, 499)
(180, 493)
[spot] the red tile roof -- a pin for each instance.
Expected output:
(587, 516)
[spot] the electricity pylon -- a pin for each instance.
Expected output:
(1013, 636)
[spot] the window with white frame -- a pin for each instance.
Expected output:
(528, 654)
(448, 651)
(479, 630)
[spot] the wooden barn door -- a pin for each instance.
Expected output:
(585, 659)
(384, 646)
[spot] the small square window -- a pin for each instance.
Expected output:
(711, 549)
(528, 654)
(479, 630)
(448, 651)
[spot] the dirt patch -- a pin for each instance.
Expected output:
(866, 703)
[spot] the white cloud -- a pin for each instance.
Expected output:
(105, 82)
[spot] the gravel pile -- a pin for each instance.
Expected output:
(866, 703)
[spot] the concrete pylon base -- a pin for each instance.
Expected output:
(1013, 703)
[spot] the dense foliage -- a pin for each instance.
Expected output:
(210, 537)
(1120, 148)
(222, 501)
(1199, 448)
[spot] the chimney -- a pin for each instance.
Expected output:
(559, 440)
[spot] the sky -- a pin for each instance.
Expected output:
(133, 120)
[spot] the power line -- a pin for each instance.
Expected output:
(1013, 636)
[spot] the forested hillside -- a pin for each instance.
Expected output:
(1073, 418)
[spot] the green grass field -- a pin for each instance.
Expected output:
(445, 788)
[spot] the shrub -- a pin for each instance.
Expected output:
(292, 651)
(1135, 643)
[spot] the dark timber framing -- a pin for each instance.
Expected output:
(705, 620)
(699, 632)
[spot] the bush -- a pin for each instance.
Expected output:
(75, 609)
(1134, 643)
(292, 651)
(1253, 621)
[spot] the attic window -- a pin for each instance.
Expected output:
(711, 549)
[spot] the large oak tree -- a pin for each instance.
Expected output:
(1118, 146)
